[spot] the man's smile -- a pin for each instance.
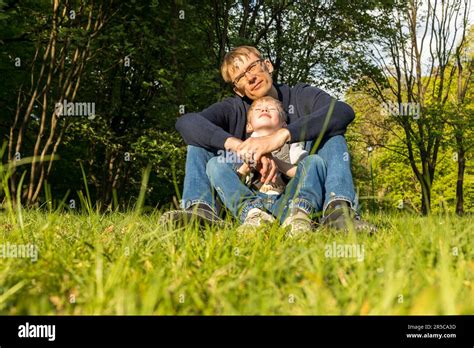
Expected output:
(257, 85)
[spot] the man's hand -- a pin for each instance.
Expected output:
(232, 143)
(257, 147)
(267, 168)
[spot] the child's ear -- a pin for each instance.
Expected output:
(240, 94)
(249, 128)
(284, 124)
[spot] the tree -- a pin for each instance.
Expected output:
(62, 49)
(460, 111)
(396, 65)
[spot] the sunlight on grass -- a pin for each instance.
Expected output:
(124, 263)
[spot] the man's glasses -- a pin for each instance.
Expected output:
(252, 69)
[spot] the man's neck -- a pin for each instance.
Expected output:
(273, 92)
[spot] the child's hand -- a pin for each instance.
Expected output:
(244, 170)
(267, 169)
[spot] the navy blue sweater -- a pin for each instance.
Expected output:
(306, 107)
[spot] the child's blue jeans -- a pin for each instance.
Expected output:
(305, 190)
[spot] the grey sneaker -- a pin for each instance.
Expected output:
(298, 222)
(340, 216)
(254, 219)
(199, 213)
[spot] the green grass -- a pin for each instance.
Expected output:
(126, 264)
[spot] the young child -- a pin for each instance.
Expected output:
(297, 192)
(266, 116)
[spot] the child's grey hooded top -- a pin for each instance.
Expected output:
(306, 107)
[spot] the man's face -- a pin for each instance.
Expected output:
(255, 83)
(264, 116)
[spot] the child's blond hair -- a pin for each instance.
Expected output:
(277, 103)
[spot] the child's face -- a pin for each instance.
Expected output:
(264, 115)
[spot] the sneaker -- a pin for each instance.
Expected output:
(254, 219)
(340, 216)
(298, 222)
(199, 213)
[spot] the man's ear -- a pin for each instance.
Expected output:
(240, 94)
(269, 65)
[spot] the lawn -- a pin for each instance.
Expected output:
(124, 263)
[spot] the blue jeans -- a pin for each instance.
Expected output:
(339, 184)
(304, 190)
(197, 188)
(334, 152)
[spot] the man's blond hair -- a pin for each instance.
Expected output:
(234, 56)
(277, 103)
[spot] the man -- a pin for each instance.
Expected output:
(314, 117)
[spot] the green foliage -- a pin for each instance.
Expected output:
(154, 60)
(393, 177)
(166, 155)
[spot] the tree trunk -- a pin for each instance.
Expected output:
(52, 83)
(425, 199)
(460, 180)
(426, 181)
